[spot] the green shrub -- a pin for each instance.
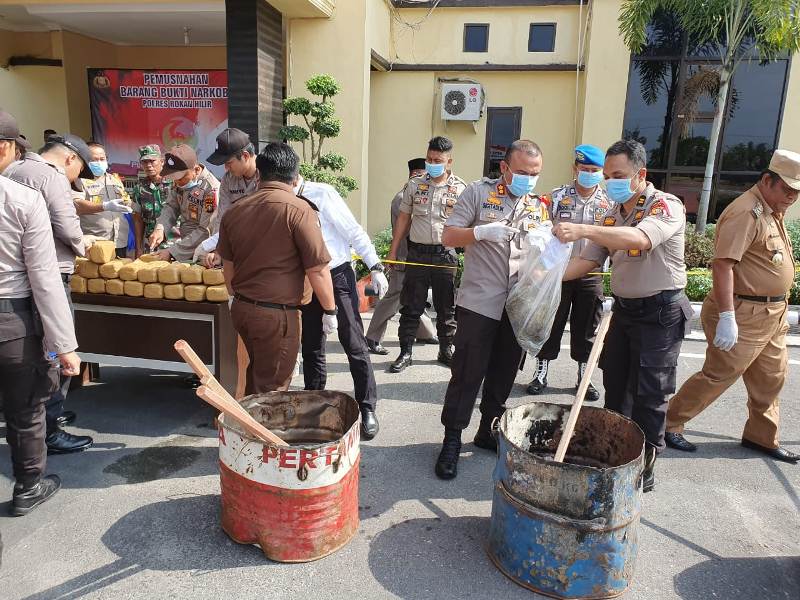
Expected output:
(699, 250)
(794, 291)
(698, 285)
(793, 230)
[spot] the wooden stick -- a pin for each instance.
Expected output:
(594, 356)
(248, 423)
(201, 370)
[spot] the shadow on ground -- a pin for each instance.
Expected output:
(773, 577)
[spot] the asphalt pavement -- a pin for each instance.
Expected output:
(138, 516)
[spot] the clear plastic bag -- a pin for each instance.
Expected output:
(534, 299)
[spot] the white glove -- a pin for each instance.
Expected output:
(116, 206)
(727, 331)
(380, 283)
(329, 324)
(494, 232)
(199, 254)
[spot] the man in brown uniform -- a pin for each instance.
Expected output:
(272, 249)
(745, 313)
(643, 234)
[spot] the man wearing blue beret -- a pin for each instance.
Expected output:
(581, 201)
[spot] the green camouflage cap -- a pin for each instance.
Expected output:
(149, 152)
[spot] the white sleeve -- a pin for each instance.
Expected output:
(338, 214)
(210, 244)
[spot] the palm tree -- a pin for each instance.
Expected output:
(733, 28)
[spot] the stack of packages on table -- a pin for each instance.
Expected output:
(103, 273)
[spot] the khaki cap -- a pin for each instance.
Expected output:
(786, 164)
(178, 161)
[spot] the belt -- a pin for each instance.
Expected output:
(660, 299)
(12, 305)
(427, 248)
(261, 304)
(780, 298)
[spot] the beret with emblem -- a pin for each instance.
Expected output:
(177, 161)
(586, 154)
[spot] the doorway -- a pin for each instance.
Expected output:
(503, 126)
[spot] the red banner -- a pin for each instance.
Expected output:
(131, 108)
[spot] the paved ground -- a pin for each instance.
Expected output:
(138, 515)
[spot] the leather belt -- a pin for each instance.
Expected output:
(780, 298)
(12, 305)
(660, 299)
(261, 304)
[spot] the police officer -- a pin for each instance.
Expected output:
(104, 214)
(427, 203)
(388, 305)
(582, 201)
(490, 220)
(149, 195)
(745, 313)
(643, 234)
(237, 153)
(34, 319)
(48, 175)
(193, 198)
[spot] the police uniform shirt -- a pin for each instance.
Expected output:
(568, 206)
(231, 188)
(51, 182)
(195, 207)
(28, 267)
(750, 233)
(490, 268)
(430, 205)
(105, 225)
(642, 273)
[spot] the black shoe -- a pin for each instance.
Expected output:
(369, 424)
(61, 442)
(401, 363)
(67, 417)
(25, 500)
(778, 453)
(592, 395)
(648, 475)
(447, 463)
(484, 439)
(434, 341)
(376, 348)
(445, 355)
(677, 441)
(539, 383)
(192, 381)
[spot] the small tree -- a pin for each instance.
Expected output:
(733, 28)
(320, 124)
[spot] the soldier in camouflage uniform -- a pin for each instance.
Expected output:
(149, 196)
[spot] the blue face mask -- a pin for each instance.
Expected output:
(434, 169)
(522, 185)
(190, 185)
(589, 179)
(98, 167)
(619, 190)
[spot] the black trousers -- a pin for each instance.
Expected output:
(582, 304)
(486, 351)
(415, 294)
(26, 381)
(351, 336)
(640, 360)
(54, 407)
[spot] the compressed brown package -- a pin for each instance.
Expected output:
(213, 277)
(149, 272)
(130, 271)
(102, 251)
(96, 286)
(174, 291)
(194, 293)
(89, 270)
(170, 274)
(134, 288)
(217, 293)
(149, 258)
(78, 284)
(194, 274)
(79, 260)
(115, 287)
(154, 290)
(110, 270)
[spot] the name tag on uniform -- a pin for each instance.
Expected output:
(565, 215)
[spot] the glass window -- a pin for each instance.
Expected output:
(476, 38)
(502, 128)
(664, 36)
(542, 37)
(729, 188)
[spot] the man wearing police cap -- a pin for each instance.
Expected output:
(643, 234)
(149, 195)
(744, 315)
(582, 201)
(193, 198)
(34, 319)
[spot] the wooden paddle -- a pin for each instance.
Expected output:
(594, 356)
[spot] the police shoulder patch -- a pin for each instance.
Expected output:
(758, 210)
(659, 208)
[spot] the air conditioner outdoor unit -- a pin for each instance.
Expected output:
(462, 101)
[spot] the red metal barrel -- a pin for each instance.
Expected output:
(297, 503)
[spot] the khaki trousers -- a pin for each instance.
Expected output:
(759, 357)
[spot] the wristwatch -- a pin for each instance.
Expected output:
(333, 312)
(377, 267)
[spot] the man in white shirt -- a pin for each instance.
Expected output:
(341, 231)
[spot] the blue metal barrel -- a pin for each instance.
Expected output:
(567, 530)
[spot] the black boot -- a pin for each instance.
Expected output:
(28, 498)
(447, 463)
(485, 438)
(402, 362)
(61, 442)
(592, 395)
(539, 383)
(369, 424)
(445, 354)
(648, 475)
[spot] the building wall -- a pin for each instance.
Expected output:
(790, 127)
(36, 96)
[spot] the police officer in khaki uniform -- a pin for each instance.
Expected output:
(237, 153)
(643, 234)
(193, 198)
(34, 319)
(149, 195)
(745, 313)
(427, 203)
(582, 201)
(490, 220)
